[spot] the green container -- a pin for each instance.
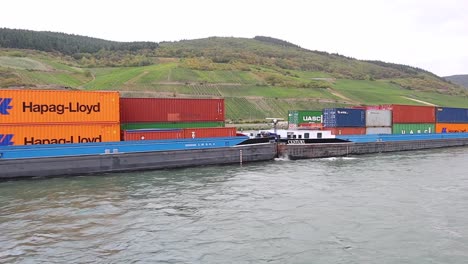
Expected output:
(127, 126)
(304, 116)
(409, 129)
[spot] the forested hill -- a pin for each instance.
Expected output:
(459, 79)
(64, 43)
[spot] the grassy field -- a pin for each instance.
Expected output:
(384, 92)
(22, 63)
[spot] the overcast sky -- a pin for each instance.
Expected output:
(428, 34)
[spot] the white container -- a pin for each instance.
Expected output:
(378, 118)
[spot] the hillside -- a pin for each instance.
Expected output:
(259, 78)
(461, 80)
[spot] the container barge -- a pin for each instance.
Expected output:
(107, 157)
(55, 133)
(369, 144)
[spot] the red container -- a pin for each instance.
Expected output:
(144, 134)
(317, 126)
(411, 113)
(210, 132)
(133, 110)
(347, 130)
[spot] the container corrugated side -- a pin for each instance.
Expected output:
(57, 106)
(378, 118)
(347, 130)
(210, 132)
(378, 130)
(155, 134)
(451, 115)
(411, 113)
(310, 126)
(128, 126)
(451, 128)
(344, 117)
(305, 117)
(135, 110)
(58, 134)
(409, 129)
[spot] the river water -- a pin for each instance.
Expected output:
(407, 207)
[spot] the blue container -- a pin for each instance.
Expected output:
(344, 117)
(451, 115)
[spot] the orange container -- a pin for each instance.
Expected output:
(347, 130)
(154, 134)
(58, 134)
(56, 106)
(451, 128)
(210, 132)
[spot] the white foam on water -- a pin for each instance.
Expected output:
(286, 158)
(338, 158)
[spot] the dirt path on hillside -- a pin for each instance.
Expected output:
(335, 93)
(419, 101)
(134, 79)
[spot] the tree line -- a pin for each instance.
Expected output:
(65, 43)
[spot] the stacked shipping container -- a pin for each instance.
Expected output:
(58, 117)
(172, 118)
(388, 119)
(139, 113)
(344, 121)
(378, 121)
(412, 119)
(451, 120)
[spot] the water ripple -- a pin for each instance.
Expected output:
(387, 208)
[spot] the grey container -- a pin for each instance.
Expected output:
(378, 118)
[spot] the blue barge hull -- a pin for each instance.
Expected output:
(374, 144)
(61, 150)
(133, 161)
(399, 137)
(81, 159)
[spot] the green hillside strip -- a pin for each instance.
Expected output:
(372, 92)
(226, 76)
(157, 73)
(274, 92)
(441, 99)
(62, 67)
(240, 108)
(55, 78)
(114, 78)
(22, 63)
